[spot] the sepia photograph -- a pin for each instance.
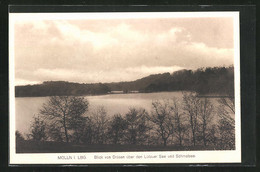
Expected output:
(146, 87)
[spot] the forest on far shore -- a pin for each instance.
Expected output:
(204, 81)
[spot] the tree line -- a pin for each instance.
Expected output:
(191, 121)
(210, 80)
(216, 80)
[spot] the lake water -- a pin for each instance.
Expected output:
(26, 107)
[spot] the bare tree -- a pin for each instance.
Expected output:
(19, 140)
(213, 135)
(99, 125)
(226, 109)
(179, 121)
(87, 135)
(117, 128)
(18, 136)
(55, 133)
(228, 102)
(226, 123)
(163, 119)
(62, 111)
(191, 106)
(205, 117)
(38, 130)
(78, 126)
(136, 126)
(226, 134)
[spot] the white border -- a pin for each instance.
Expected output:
(233, 156)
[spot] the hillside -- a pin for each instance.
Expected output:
(217, 80)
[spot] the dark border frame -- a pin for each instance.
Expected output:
(247, 74)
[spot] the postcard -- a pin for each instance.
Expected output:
(124, 88)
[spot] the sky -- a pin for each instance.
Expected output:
(102, 50)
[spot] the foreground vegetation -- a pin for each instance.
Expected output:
(29, 146)
(64, 125)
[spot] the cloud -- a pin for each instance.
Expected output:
(94, 76)
(119, 50)
(25, 82)
(151, 70)
(73, 33)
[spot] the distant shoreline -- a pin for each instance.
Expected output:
(198, 95)
(98, 94)
(214, 96)
(207, 82)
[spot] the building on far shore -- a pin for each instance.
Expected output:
(115, 92)
(133, 91)
(122, 92)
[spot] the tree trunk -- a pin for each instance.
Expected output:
(164, 142)
(204, 133)
(204, 139)
(193, 138)
(65, 129)
(180, 140)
